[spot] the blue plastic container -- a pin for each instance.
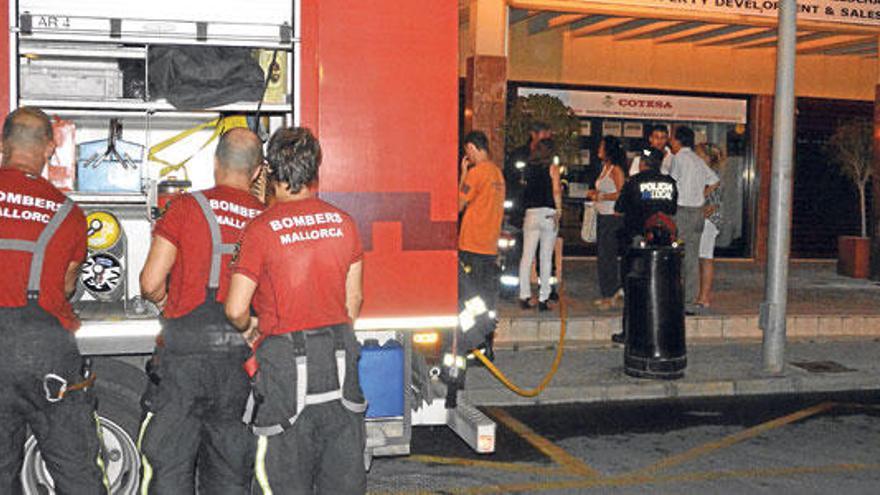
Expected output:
(110, 176)
(381, 374)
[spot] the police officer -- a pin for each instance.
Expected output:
(42, 382)
(300, 265)
(646, 194)
(198, 387)
(650, 195)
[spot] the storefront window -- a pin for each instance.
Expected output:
(631, 116)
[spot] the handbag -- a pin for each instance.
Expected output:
(588, 227)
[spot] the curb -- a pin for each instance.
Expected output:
(792, 382)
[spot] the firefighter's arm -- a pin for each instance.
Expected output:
(238, 301)
(70, 278)
(154, 276)
(354, 292)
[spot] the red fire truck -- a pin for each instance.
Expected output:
(376, 81)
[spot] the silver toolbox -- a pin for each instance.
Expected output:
(74, 79)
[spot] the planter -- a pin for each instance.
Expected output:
(854, 256)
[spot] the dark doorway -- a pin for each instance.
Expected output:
(826, 204)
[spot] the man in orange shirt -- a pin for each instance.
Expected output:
(481, 198)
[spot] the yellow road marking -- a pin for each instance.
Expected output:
(500, 466)
(626, 481)
(729, 440)
(571, 463)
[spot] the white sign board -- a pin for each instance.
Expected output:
(632, 129)
(612, 128)
(647, 106)
(865, 12)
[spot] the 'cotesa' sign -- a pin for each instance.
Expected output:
(865, 12)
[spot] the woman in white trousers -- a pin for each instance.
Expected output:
(542, 199)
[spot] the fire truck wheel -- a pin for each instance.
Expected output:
(119, 387)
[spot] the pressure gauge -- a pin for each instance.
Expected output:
(104, 230)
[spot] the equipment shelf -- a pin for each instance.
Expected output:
(107, 198)
(156, 107)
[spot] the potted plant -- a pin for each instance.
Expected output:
(851, 149)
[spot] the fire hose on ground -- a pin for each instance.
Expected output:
(557, 360)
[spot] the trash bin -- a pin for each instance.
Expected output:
(654, 313)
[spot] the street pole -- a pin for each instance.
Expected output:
(776, 290)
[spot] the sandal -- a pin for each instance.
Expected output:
(606, 304)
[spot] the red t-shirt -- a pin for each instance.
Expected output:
(184, 225)
(299, 253)
(27, 203)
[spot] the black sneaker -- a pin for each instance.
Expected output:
(543, 306)
(618, 338)
(554, 296)
(525, 304)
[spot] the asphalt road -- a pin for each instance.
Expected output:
(771, 444)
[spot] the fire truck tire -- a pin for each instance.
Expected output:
(119, 387)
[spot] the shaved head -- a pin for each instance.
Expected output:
(28, 140)
(239, 150)
(27, 128)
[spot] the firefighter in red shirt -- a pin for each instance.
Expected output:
(300, 264)
(198, 388)
(42, 382)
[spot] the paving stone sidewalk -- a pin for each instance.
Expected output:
(822, 304)
(595, 374)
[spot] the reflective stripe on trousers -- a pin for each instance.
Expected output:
(100, 460)
(146, 467)
(303, 398)
(260, 473)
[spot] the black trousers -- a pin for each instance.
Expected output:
(478, 276)
(484, 274)
(323, 452)
(35, 344)
(193, 409)
(609, 230)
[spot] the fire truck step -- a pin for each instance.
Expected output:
(474, 427)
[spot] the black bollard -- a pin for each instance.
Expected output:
(654, 321)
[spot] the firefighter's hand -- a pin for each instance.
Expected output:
(160, 305)
(465, 163)
(253, 332)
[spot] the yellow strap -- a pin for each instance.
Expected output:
(220, 126)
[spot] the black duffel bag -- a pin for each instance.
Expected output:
(195, 77)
